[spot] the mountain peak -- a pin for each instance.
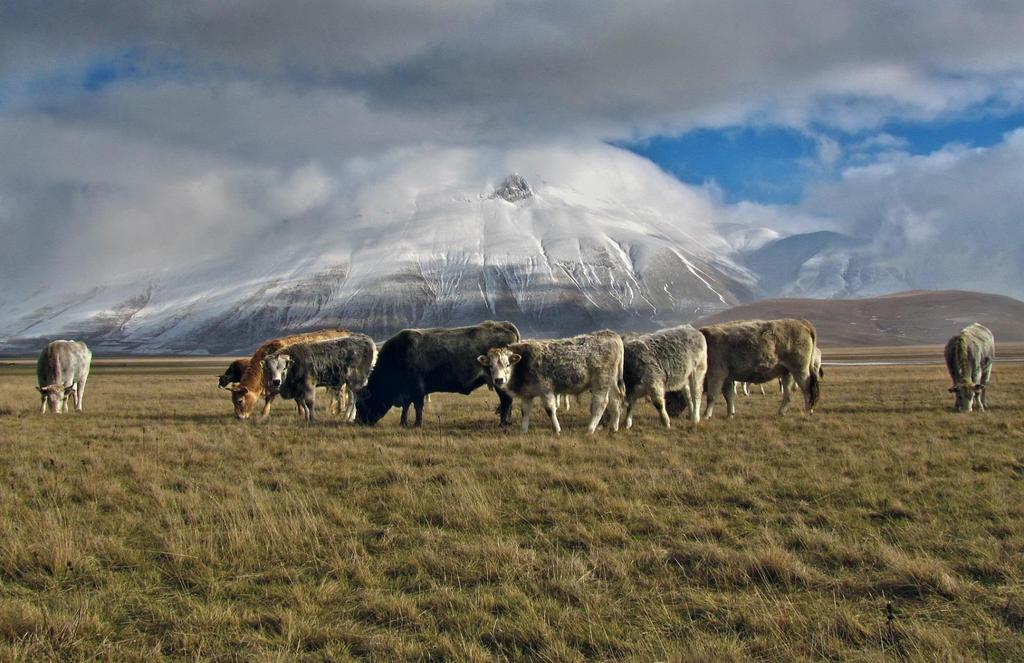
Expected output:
(514, 188)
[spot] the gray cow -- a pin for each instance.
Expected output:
(589, 362)
(669, 360)
(296, 371)
(759, 351)
(969, 357)
(62, 371)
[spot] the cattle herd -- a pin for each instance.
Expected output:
(672, 368)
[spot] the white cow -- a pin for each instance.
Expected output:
(969, 357)
(62, 370)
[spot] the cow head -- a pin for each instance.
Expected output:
(965, 392)
(54, 397)
(243, 399)
(499, 362)
(275, 369)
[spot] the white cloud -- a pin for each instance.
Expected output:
(950, 219)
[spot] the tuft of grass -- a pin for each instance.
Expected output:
(155, 526)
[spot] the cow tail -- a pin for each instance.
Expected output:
(620, 382)
(813, 389)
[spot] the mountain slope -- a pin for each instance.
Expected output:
(553, 260)
(906, 318)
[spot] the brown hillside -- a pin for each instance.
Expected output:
(906, 318)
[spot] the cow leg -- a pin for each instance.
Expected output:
(267, 400)
(79, 395)
(762, 388)
(550, 402)
(404, 421)
(804, 384)
(418, 405)
(986, 374)
(729, 392)
(693, 394)
(525, 407)
(715, 386)
(350, 404)
(504, 408)
(598, 403)
(309, 401)
(658, 401)
(614, 409)
(42, 407)
(787, 386)
(630, 404)
(746, 388)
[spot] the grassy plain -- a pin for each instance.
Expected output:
(155, 526)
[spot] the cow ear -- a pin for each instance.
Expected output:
(238, 389)
(513, 358)
(483, 360)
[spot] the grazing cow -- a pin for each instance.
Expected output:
(253, 384)
(234, 373)
(759, 351)
(236, 369)
(417, 362)
(296, 371)
(969, 357)
(590, 362)
(673, 359)
(61, 371)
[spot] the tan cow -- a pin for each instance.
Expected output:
(759, 351)
(252, 386)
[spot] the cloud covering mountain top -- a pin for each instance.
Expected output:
(137, 135)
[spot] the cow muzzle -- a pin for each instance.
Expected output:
(499, 381)
(276, 382)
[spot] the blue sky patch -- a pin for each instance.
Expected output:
(775, 165)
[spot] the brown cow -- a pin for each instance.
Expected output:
(253, 384)
(759, 351)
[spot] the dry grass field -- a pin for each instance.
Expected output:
(155, 526)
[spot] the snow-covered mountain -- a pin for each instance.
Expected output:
(552, 257)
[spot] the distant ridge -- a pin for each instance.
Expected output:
(905, 318)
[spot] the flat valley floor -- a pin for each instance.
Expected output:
(155, 526)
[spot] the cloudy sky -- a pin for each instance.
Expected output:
(146, 130)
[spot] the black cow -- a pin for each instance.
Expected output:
(417, 362)
(234, 372)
